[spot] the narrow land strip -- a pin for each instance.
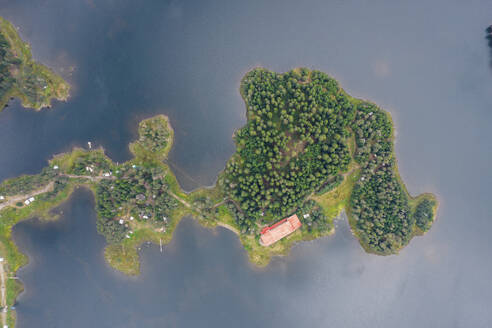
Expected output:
(4, 295)
(17, 198)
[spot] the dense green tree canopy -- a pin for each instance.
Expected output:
(295, 139)
(21, 76)
(303, 132)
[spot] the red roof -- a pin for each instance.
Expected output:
(279, 230)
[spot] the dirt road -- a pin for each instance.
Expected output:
(17, 198)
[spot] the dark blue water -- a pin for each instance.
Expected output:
(428, 63)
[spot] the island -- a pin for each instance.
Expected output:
(307, 152)
(21, 77)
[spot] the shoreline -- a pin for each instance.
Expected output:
(49, 84)
(123, 256)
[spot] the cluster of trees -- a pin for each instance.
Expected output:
(21, 76)
(7, 61)
(380, 206)
(247, 224)
(316, 220)
(294, 141)
(59, 184)
(90, 163)
(424, 214)
(32, 84)
(134, 191)
(206, 206)
(154, 134)
(111, 230)
(27, 183)
(140, 192)
(378, 201)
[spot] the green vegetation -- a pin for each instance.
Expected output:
(424, 214)
(135, 194)
(156, 139)
(314, 218)
(294, 141)
(306, 140)
(136, 201)
(86, 163)
(307, 148)
(22, 77)
(330, 185)
(26, 183)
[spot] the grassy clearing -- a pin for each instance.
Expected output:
(261, 256)
(335, 201)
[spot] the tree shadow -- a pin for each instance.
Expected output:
(488, 36)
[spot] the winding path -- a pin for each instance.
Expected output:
(89, 177)
(185, 203)
(182, 201)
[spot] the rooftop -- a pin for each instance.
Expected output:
(279, 230)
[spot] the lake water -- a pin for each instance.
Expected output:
(428, 63)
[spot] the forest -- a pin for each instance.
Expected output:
(7, 60)
(21, 76)
(296, 143)
(27, 183)
(424, 214)
(136, 193)
(308, 148)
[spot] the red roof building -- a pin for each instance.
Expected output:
(279, 230)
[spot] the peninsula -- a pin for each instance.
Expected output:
(21, 77)
(307, 152)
